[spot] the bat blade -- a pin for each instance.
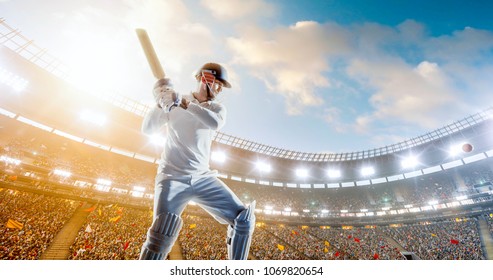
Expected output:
(154, 64)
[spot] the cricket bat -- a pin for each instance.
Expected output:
(154, 64)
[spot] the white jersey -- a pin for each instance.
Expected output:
(189, 136)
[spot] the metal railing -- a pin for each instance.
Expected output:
(333, 157)
(14, 40)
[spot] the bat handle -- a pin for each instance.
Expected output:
(162, 82)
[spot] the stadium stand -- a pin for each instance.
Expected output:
(54, 165)
(29, 222)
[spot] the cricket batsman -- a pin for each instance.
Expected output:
(184, 173)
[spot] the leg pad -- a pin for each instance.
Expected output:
(161, 237)
(240, 234)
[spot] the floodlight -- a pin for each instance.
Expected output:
(301, 172)
(456, 149)
(62, 173)
(332, 173)
(366, 171)
(287, 209)
(93, 117)
(10, 160)
(158, 140)
(104, 182)
(363, 210)
(409, 162)
(219, 157)
(139, 188)
(432, 202)
(137, 194)
(306, 211)
(344, 211)
(263, 167)
(386, 208)
(268, 207)
(325, 211)
(10, 79)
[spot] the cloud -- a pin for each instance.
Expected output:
(292, 61)
(467, 46)
(448, 81)
(238, 9)
(416, 95)
(371, 76)
(332, 115)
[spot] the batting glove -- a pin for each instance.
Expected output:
(165, 96)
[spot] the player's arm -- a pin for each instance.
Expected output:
(213, 118)
(166, 99)
(153, 122)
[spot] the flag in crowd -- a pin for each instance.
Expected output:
(14, 224)
(454, 241)
(90, 209)
(88, 228)
(115, 219)
(280, 247)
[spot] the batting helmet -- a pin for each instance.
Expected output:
(217, 70)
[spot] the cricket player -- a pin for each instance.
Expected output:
(184, 173)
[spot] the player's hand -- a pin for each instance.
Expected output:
(165, 96)
(169, 99)
(184, 103)
(159, 87)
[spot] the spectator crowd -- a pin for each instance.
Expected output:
(116, 227)
(29, 222)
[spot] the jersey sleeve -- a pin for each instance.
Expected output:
(153, 122)
(212, 116)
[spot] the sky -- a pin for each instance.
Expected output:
(310, 76)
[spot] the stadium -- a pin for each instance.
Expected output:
(78, 185)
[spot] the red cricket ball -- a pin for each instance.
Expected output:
(467, 148)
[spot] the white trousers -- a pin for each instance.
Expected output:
(210, 193)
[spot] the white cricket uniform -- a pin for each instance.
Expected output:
(184, 173)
